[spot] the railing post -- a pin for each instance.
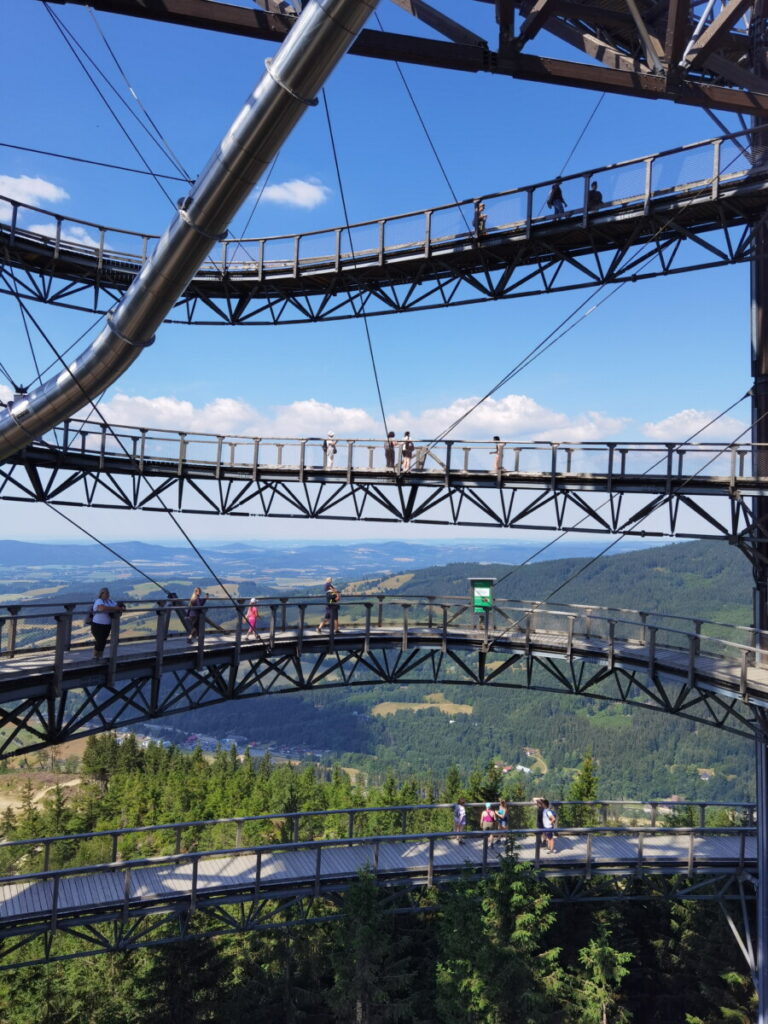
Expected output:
(367, 638)
(588, 863)
(182, 453)
(431, 861)
(693, 645)
(350, 824)
(235, 662)
(716, 168)
(444, 629)
(193, 894)
(318, 868)
(115, 847)
(652, 650)
(55, 904)
(648, 184)
(691, 837)
(63, 632)
(404, 645)
(114, 640)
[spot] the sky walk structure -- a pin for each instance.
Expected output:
(683, 209)
(243, 883)
(52, 689)
(688, 53)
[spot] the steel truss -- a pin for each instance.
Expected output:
(667, 237)
(183, 920)
(38, 711)
(689, 53)
(644, 506)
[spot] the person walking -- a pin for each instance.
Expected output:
(103, 612)
(498, 453)
(488, 821)
(407, 449)
(480, 219)
(194, 614)
(329, 449)
(502, 819)
(594, 197)
(389, 450)
(459, 818)
(548, 820)
(555, 201)
(332, 601)
(251, 617)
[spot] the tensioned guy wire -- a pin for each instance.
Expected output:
(351, 245)
(90, 401)
(94, 163)
(72, 43)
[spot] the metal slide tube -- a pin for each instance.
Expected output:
(323, 33)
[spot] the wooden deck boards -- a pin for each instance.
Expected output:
(104, 890)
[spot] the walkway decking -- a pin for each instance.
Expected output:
(331, 864)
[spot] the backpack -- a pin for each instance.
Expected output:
(88, 618)
(333, 597)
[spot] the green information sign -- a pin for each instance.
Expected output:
(482, 595)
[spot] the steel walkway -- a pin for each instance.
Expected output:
(117, 899)
(635, 488)
(673, 211)
(52, 689)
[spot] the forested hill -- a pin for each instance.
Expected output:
(395, 728)
(700, 578)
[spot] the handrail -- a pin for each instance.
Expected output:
(136, 449)
(514, 835)
(712, 174)
(646, 806)
(55, 627)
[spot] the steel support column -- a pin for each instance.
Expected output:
(761, 909)
(759, 551)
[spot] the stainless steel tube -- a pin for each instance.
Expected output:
(321, 36)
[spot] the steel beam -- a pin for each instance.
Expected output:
(322, 35)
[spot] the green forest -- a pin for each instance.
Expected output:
(498, 950)
(670, 756)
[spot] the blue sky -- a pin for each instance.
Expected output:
(655, 361)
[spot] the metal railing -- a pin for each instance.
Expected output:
(54, 632)
(47, 853)
(180, 452)
(704, 167)
(680, 850)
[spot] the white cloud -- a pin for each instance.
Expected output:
(5, 393)
(233, 416)
(687, 422)
(33, 191)
(305, 194)
(69, 233)
(514, 417)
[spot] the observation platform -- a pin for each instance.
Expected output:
(52, 689)
(117, 904)
(634, 488)
(683, 209)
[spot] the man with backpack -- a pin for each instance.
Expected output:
(332, 601)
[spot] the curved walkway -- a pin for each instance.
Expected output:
(445, 255)
(51, 688)
(101, 904)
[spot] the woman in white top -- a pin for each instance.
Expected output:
(101, 622)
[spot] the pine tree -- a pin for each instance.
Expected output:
(583, 787)
(596, 988)
(373, 975)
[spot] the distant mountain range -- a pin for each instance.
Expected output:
(348, 560)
